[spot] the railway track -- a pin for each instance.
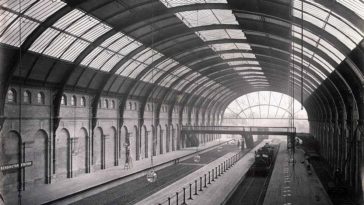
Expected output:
(252, 189)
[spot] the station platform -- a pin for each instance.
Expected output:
(214, 193)
(73, 189)
(291, 183)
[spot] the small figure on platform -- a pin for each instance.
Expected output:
(238, 143)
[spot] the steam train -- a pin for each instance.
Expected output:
(263, 161)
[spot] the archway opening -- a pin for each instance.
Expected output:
(266, 109)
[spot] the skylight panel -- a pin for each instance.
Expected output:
(357, 6)
(111, 40)
(346, 29)
(129, 48)
(59, 45)
(91, 56)
(15, 6)
(101, 59)
(6, 18)
(96, 32)
(329, 53)
(68, 19)
(231, 55)
(331, 48)
(181, 84)
(111, 62)
(120, 44)
(225, 16)
(43, 40)
(130, 68)
(247, 68)
(152, 75)
(167, 64)
(82, 25)
(329, 68)
(135, 72)
(236, 34)
(43, 9)
(340, 36)
(76, 48)
(174, 3)
(210, 35)
(11, 35)
(166, 82)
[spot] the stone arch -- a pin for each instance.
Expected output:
(98, 156)
(110, 150)
(10, 152)
(38, 172)
(80, 152)
(137, 142)
(63, 163)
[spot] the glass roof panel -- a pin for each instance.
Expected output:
(340, 36)
(96, 32)
(43, 40)
(82, 25)
(152, 75)
(59, 45)
(174, 3)
(111, 40)
(100, 59)
(76, 48)
(68, 19)
(346, 29)
(357, 6)
(6, 18)
(43, 9)
(11, 35)
(91, 56)
(134, 69)
(111, 62)
(15, 6)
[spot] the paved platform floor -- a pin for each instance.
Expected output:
(44, 193)
(215, 192)
(291, 184)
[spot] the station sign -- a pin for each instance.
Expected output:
(15, 166)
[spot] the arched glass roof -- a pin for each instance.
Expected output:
(182, 46)
(265, 105)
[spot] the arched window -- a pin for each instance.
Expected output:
(27, 97)
(83, 102)
(40, 98)
(130, 106)
(73, 101)
(11, 96)
(64, 100)
(106, 103)
(113, 104)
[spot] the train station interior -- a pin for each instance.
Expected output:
(176, 102)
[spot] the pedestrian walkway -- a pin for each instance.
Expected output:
(292, 183)
(70, 188)
(213, 193)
